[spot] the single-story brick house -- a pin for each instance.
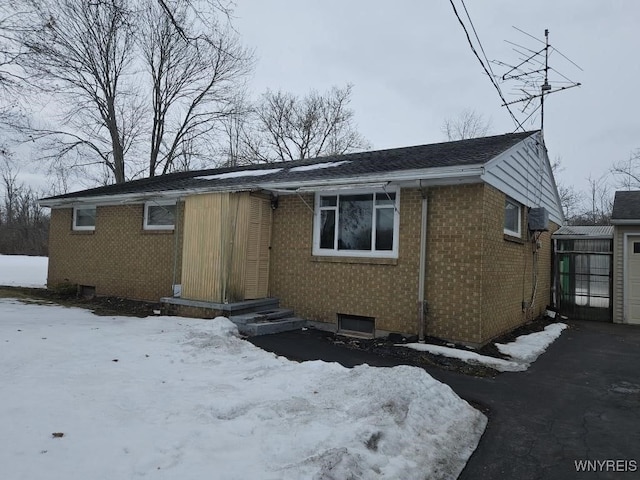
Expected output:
(625, 219)
(433, 238)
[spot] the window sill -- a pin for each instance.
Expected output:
(512, 239)
(357, 260)
(158, 232)
(82, 232)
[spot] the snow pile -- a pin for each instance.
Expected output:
(318, 166)
(181, 398)
(241, 173)
(523, 351)
(527, 348)
(469, 357)
(23, 271)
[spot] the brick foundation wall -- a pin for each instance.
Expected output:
(119, 258)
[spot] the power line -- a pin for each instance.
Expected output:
(484, 67)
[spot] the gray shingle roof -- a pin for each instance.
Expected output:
(449, 154)
(626, 206)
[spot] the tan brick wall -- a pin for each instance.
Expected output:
(454, 253)
(474, 277)
(318, 290)
(119, 258)
(508, 271)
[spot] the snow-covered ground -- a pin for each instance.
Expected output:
(23, 271)
(522, 352)
(168, 398)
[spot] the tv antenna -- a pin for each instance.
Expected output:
(534, 77)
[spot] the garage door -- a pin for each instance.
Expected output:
(633, 279)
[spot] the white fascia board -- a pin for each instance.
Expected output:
(625, 221)
(460, 174)
(118, 199)
(443, 173)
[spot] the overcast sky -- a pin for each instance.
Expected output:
(411, 67)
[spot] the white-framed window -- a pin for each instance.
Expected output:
(357, 223)
(512, 218)
(84, 217)
(160, 215)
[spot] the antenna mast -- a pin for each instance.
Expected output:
(532, 73)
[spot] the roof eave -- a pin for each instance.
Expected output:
(433, 175)
(625, 221)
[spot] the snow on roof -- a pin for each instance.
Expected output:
(241, 173)
(316, 166)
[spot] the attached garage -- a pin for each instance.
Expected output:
(626, 268)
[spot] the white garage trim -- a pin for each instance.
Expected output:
(626, 282)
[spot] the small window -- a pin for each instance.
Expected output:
(512, 218)
(356, 325)
(636, 247)
(84, 218)
(159, 215)
(357, 223)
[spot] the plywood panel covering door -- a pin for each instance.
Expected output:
(633, 279)
(258, 244)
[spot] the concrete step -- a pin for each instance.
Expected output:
(261, 316)
(267, 327)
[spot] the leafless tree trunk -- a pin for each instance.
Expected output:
(468, 124)
(80, 52)
(195, 73)
(286, 127)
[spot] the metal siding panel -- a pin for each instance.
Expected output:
(517, 174)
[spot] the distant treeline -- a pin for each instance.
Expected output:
(24, 225)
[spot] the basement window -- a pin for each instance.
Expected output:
(84, 218)
(512, 218)
(159, 215)
(356, 223)
(356, 325)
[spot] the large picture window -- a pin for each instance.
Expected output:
(159, 215)
(84, 218)
(356, 223)
(512, 218)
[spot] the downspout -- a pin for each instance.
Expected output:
(422, 307)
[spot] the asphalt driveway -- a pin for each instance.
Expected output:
(580, 401)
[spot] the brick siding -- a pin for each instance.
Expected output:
(119, 258)
(320, 287)
(475, 282)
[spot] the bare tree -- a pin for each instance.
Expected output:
(570, 198)
(89, 59)
(599, 203)
(195, 72)
(467, 124)
(80, 53)
(23, 223)
(627, 172)
(286, 127)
